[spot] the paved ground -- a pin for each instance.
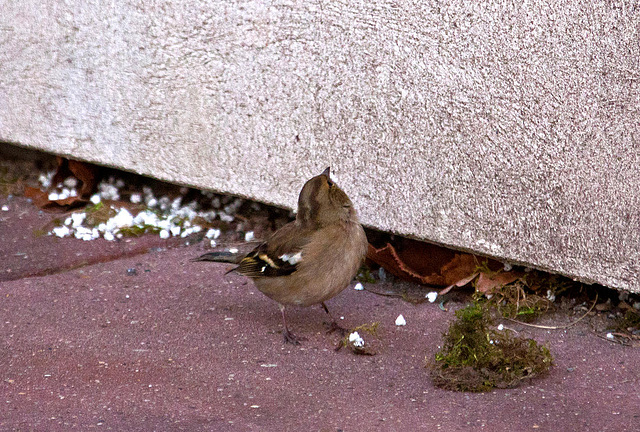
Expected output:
(133, 336)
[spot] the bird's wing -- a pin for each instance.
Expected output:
(278, 256)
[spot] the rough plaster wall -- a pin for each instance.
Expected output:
(508, 128)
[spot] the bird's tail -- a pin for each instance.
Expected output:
(225, 257)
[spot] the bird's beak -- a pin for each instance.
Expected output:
(326, 172)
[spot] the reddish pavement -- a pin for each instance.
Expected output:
(132, 336)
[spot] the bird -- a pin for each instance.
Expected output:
(311, 259)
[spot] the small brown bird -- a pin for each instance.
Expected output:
(311, 259)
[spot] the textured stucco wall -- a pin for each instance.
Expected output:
(508, 128)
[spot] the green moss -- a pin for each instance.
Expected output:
(364, 275)
(138, 230)
(97, 214)
(630, 321)
(371, 329)
(513, 301)
(477, 358)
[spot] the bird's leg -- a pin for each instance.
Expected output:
(333, 325)
(288, 336)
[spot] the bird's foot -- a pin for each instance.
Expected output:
(291, 338)
(335, 327)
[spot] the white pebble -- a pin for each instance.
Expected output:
(70, 182)
(248, 236)
(164, 234)
(358, 287)
(136, 198)
(77, 219)
(213, 243)
(109, 192)
(152, 202)
(45, 179)
(175, 230)
(610, 336)
(108, 236)
(62, 231)
(122, 219)
(53, 196)
(212, 233)
(500, 327)
(164, 224)
(146, 218)
(356, 340)
(164, 202)
(432, 296)
(400, 321)
(5, 208)
(226, 218)
(233, 250)
(95, 199)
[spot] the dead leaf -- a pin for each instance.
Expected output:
(462, 282)
(487, 284)
(429, 264)
(41, 199)
(424, 263)
(85, 172)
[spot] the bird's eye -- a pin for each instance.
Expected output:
(330, 183)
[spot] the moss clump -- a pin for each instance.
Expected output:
(512, 301)
(98, 213)
(477, 358)
(138, 230)
(371, 329)
(364, 275)
(629, 322)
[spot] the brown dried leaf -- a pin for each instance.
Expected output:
(424, 263)
(41, 199)
(462, 282)
(85, 172)
(487, 284)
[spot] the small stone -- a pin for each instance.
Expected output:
(356, 340)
